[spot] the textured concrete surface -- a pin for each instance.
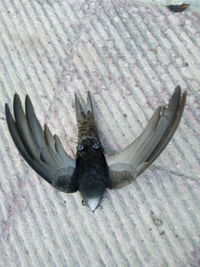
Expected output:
(194, 4)
(130, 56)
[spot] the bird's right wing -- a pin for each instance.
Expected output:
(126, 165)
(43, 151)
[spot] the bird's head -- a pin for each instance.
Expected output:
(89, 148)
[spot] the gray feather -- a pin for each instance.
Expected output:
(42, 151)
(126, 165)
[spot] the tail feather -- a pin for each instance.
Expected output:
(89, 107)
(85, 119)
(79, 110)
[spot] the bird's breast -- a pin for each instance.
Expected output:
(92, 172)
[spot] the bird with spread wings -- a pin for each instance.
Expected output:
(92, 170)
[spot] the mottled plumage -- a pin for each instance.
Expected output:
(92, 171)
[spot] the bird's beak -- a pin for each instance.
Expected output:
(92, 197)
(93, 203)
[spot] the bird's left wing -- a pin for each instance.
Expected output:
(126, 165)
(43, 151)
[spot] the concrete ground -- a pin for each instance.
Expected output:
(130, 56)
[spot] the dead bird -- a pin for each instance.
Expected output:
(178, 8)
(92, 171)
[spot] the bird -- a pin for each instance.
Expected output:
(92, 171)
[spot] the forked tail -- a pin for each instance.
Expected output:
(85, 119)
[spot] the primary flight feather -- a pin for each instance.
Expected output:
(92, 171)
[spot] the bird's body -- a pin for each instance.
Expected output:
(91, 168)
(92, 171)
(92, 175)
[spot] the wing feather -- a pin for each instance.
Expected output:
(34, 124)
(126, 165)
(42, 151)
(49, 138)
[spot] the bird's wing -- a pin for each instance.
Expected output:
(43, 151)
(126, 165)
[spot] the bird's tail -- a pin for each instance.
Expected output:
(85, 119)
